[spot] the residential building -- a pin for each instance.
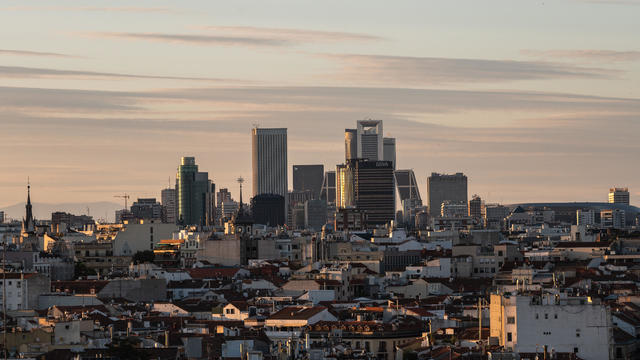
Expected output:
(148, 209)
(614, 218)
(528, 323)
(169, 205)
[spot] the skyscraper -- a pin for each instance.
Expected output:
(374, 190)
(408, 186)
(194, 193)
(328, 192)
(619, 196)
(369, 140)
(169, 205)
(308, 178)
(269, 158)
(442, 187)
(389, 150)
(345, 195)
(350, 144)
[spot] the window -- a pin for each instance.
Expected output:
(575, 350)
(511, 320)
(537, 316)
(509, 337)
(546, 316)
(555, 316)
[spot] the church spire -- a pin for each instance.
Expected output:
(27, 223)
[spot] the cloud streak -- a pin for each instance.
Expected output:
(602, 56)
(293, 35)
(34, 53)
(30, 72)
(195, 39)
(418, 71)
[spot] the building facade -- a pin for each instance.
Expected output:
(619, 196)
(443, 187)
(194, 193)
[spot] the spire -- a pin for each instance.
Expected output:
(27, 223)
(240, 180)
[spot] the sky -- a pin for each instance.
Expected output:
(533, 100)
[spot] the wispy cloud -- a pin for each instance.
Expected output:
(293, 35)
(244, 36)
(195, 39)
(602, 56)
(30, 72)
(125, 9)
(33, 53)
(418, 71)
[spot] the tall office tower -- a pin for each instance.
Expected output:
(374, 190)
(308, 178)
(169, 205)
(345, 196)
(350, 144)
(223, 195)
(194, 194)
(315, 214)
(475, 207)
(269, 148)
(442, 187)
(408, 186)
(147, 209)
(268, 209)
(409, 194)
(1, 217)
(328, 192)
(370, 143)
(619, 196)
(389, 150)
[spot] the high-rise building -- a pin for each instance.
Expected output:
(1, 217)
(269, 160)
(374, 190)
(442, 187)
(268, 209)
(328, 192)
(147, 209)
(345, 195)
(308, 178)
(369, 140)
(350, 144)
(169, 205)
(407, 186)
(619, 196)
(194, 193)
(315, 214)
(389, 150)
(475, 207)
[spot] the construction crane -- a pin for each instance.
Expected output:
(125, 197)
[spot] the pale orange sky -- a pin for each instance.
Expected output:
(533, 101)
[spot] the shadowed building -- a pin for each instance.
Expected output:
(442, 187)
(308, 178)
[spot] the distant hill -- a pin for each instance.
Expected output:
(42, 211)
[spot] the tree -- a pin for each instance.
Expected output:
(143, 257)
(81, 270)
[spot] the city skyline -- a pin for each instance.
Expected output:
(526, 115)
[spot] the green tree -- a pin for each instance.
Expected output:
(80, 270)
(143, 257)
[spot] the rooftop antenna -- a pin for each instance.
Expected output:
(240, 181)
